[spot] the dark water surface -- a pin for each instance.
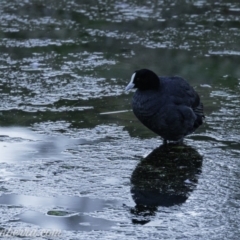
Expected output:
(72, 155)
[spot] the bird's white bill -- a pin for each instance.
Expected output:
(131, 84)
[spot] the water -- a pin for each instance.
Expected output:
(74, 159)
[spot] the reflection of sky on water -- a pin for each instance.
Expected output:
(72, 222)
(75, 209)
(22, 144)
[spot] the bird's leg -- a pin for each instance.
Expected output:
(179, 142)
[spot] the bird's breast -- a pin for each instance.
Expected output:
(145, 106)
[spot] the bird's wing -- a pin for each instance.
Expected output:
(181, 92)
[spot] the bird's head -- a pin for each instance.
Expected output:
(144, 79)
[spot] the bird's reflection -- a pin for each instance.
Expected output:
(166, 177)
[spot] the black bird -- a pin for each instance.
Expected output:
(168, 106)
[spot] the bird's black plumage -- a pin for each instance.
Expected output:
(168, 106)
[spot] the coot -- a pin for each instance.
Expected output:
(168, 106)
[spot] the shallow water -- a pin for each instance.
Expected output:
(73, 156)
